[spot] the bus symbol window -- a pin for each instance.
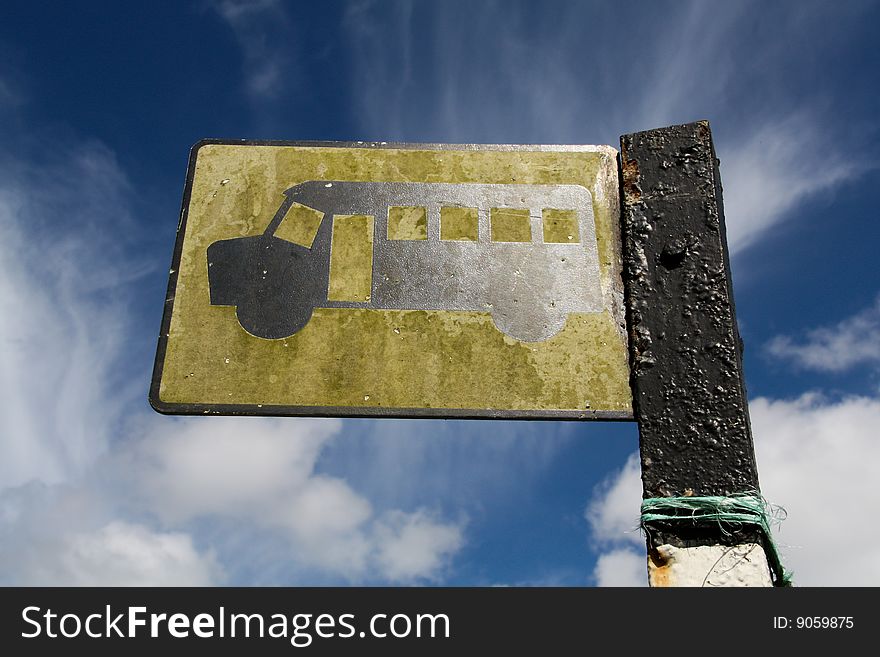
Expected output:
(525, 253)
(511, 225)
(407, 223)
(560, 226)
(462, 224)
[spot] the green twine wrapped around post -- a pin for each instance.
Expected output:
(748, 509)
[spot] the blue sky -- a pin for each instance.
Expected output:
(99, 104)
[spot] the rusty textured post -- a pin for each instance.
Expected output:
(685, 350)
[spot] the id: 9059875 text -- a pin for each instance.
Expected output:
(813, 623)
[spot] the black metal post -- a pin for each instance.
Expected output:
(686, 353)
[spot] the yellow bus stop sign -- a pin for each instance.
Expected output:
(396, 280)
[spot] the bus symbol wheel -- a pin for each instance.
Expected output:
(534, 325)
(261, 319)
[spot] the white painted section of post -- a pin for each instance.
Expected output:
(709, 565)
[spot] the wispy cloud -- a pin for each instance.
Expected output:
(9, 96)
(464, 463)
(551, 77)
(64, 278)
(389, 62)
(259, 27)
(852, 341)
(775, 169)
(463, 72)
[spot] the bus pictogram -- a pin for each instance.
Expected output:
(529, 279)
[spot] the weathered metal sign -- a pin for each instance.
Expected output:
(396, 280)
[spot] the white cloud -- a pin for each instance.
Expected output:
(613, 516)
(233, 466)
(262, 473)
(64, 535)
(621, 567)
(852, 341)
(124, 554)
(197, 487)
(324, 507)
(413, 546)
(817, 459)
(613, 513)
